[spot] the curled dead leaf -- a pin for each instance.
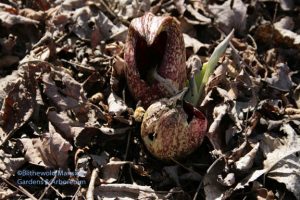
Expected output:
(246, 162)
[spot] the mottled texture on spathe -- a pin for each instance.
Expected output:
(154, 43)
(171, 131)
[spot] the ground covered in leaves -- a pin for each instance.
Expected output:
(66, 122)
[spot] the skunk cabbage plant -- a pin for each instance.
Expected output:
(155, 57)
(172, 126)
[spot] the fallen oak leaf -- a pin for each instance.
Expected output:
(282, 164)
(17, 108)
(63, 90)
(228, 17)
(32, 155)
(51, 150)
(90, 24)
(66, 126)
(281, 78)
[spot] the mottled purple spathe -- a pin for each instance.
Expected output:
(172, 131)
(154, 41)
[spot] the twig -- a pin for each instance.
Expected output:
(77, 191)
(91, 188)
(47, 188)
(27, 193)
(20, 188)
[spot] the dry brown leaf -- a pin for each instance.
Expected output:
(7, 83)
(193, 43)
(215, 131)
(264, 194)
(198, 17)
(297, 96)
(228, 180)
(8, 20)
(32, 14)
(230, 18)
(129, 9)
(283, 164)
(218, 78)
(246, 162)
(90, 23)
(69, 128)
(249, 179)
(82, 166)
(51, 150)
(100, 160)
(18, 105)
(212, 188)
(242, 87)
(237, 153)
(287, 5)
(110, 171)
(116, 105)
(268, 143)
(285, 23)
(280, 36)
(281, 78)
(63, 90)
(9, 165)
(32, 155)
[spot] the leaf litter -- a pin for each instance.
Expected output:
(65, 105)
